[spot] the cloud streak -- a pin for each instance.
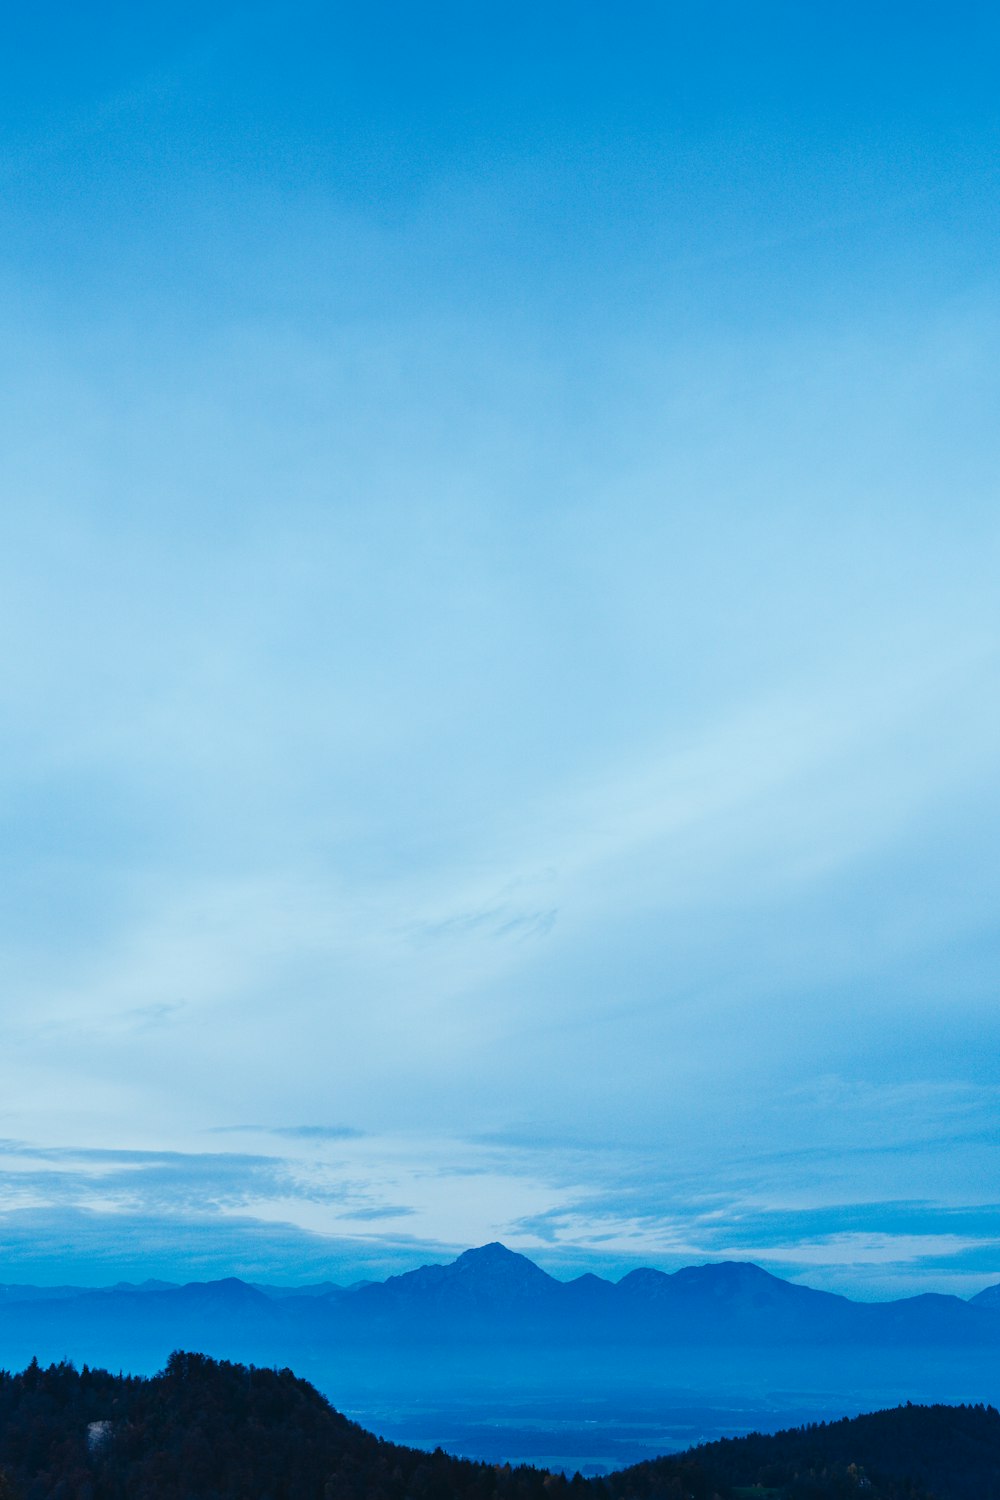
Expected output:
(498, 581)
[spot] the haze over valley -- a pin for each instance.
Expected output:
(490, 1357)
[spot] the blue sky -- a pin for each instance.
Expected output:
(498, 576)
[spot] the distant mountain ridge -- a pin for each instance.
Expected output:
(490, 1274)
(493, 1310)
(492, 1287)
(728, 1300)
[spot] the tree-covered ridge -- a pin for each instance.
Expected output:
(211, 1430)
(907, 1453)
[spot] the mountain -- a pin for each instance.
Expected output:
(737, 1302)
(484, 1288)
(492, 1274)
(492, 1319)
(496, 1294)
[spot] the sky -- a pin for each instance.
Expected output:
(499, 693)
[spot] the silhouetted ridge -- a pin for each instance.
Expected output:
(493, 1253)
(477, 1289)
(906, 1453)
(495, 1265)
(493, 1303)
(211, 1430)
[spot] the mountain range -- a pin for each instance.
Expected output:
(494, 1318)
(494, 1294)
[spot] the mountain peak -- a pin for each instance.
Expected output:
(493, 1251)
(493, 1254)
(488, 1275)
(499, 1264)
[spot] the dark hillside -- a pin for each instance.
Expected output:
(208, 1430)
(910, 1452)
(211, 1430)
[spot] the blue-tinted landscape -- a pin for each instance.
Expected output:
(490, 1358)
(499, 729)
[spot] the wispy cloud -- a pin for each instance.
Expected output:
(503, 651)
(84, 1246)
(115, 1181)
(295, 1132)
(572, 1206)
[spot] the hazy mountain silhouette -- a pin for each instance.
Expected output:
(494, 1292)
(493, 1315)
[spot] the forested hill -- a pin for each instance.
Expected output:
(211, 1430)
(907, 1453)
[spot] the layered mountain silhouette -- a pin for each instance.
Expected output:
(495, 1308)
(988, 1298)
(495, 1292)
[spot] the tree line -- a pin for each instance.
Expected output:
(208, 1429)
